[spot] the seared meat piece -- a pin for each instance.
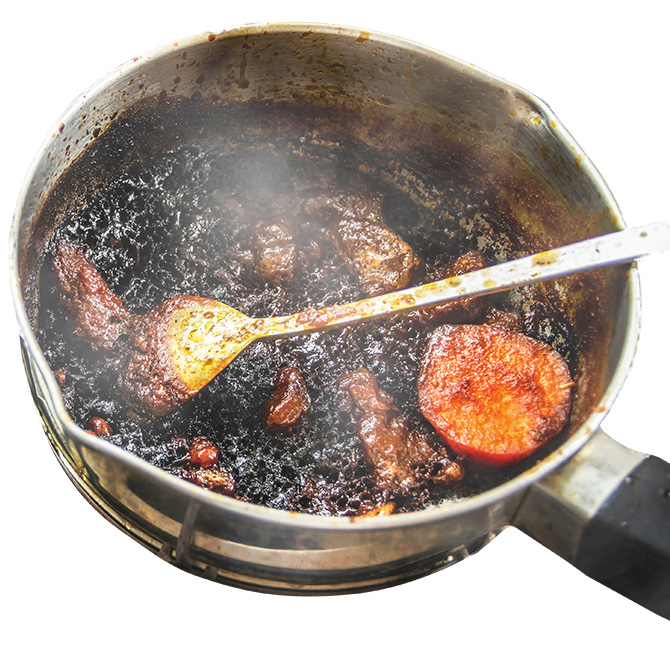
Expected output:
(464, 310)
(365, 392)
(381, 259)
(97, 313)
(275, 252)
(401, 458)
(100, 317)
(147, 380)
(288, 403)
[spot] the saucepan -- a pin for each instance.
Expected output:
(597, 504)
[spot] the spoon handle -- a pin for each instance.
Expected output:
(618, 247)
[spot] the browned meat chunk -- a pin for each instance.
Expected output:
(98, 313)
(288, 403)
(275, 252)
(381, 259)
(200, 451)
(401, 458)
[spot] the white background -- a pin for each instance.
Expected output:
(75, 589)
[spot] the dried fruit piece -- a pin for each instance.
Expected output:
(98, 426)
(493, 395)
(203, 452)
(377, 255)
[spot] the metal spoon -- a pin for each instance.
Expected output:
(183, 343)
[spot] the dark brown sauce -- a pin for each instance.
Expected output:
(182, 221)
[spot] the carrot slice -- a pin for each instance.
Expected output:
(493, 395)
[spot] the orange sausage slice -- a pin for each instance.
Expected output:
(493, 395)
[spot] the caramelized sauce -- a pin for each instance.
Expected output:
(187, 220)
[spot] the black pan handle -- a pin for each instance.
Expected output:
(607, 511)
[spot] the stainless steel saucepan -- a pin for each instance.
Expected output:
(602, 507)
